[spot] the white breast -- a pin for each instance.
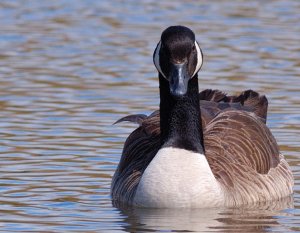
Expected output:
(178, 178)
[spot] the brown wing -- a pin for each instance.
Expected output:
(244, 157)
(139, 149)
(242, 138)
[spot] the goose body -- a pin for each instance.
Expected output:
(199, 150)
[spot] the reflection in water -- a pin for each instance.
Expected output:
(254, 218)
(69, 69)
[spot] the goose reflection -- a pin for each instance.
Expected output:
(252, 218)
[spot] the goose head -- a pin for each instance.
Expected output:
(178, 58)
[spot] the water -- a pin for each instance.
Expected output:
(69, 69)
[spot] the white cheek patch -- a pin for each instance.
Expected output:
(156, 59)
(199, 59)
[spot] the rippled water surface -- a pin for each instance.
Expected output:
(69, 69)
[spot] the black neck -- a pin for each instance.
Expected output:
(180, 117)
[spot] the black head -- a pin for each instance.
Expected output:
(178, 58)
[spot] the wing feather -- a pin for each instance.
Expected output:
(245, 159)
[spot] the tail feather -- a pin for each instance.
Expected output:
(252, 99)
(213, 95)
(248, 98)
(136, 118)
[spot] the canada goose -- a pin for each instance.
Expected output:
(198, 150)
